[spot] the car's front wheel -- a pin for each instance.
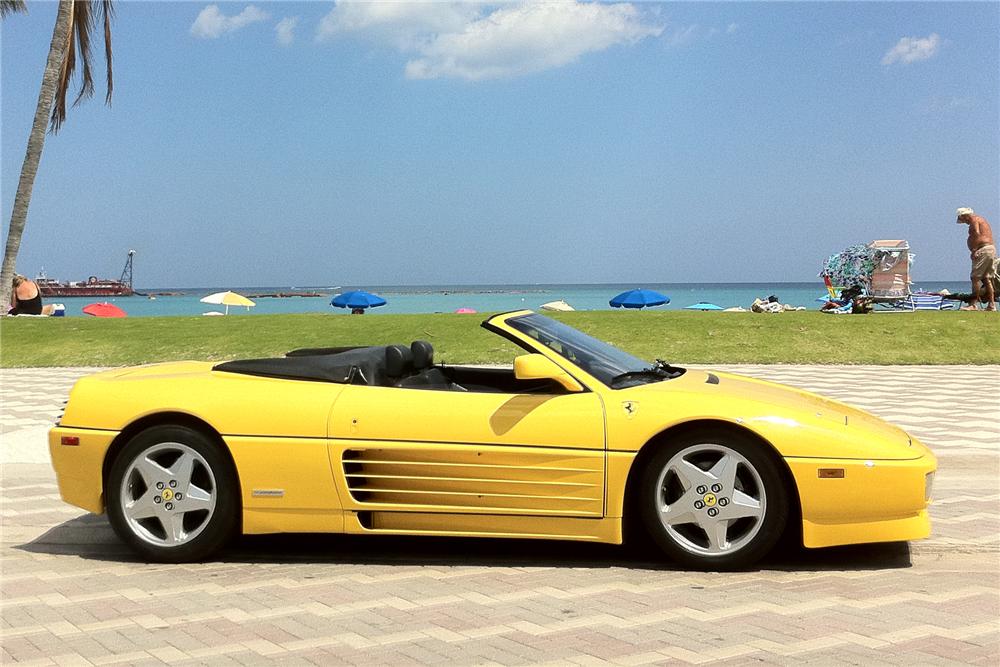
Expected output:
(172, 495)
(713, 500)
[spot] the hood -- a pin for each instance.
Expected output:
(808, 424)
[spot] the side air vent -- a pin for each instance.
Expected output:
(712, 379)
(464, 479)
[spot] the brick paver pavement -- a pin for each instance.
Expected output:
(72, 594)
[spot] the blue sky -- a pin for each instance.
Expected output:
(326, 144)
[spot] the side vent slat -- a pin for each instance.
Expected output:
(470, 493)
(482, 480)
(463, 479)
(456, 464)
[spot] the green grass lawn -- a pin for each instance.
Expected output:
(678, 337)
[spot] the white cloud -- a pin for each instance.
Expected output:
(285, 30)
(402, 24)
(212, 23)
(948, 104)
(913, 49)
(683, 36)
(475, 42)
(679, 36)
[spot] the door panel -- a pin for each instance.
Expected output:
(423, 415)
(422, 450)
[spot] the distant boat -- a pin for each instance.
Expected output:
(558, 306)
(92, 286)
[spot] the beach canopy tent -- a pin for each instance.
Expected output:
(357, 299)
(104, 310)
(701, 305)
(880, 268)
(228, 299)
(639, 298)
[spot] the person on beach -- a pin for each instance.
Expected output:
(984, 255)
(25, 297)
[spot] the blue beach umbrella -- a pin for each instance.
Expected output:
(701, 305)
(357, 299)
(639, 298)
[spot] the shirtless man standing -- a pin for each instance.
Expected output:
(984, 254)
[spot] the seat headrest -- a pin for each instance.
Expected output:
(398, 360)
(423, 354)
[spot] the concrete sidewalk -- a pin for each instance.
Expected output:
(70, 593)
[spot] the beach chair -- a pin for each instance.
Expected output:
(922, 302)
(890, 277)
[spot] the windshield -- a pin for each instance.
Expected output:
(601, 360)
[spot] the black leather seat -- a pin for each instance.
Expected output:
(398, 363)
(426, 376)
(423, 355)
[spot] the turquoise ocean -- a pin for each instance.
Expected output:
(482, 298)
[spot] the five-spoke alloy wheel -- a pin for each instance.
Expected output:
(713, 500)
(171, 495)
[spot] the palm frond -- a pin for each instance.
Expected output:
(108, 11)
(8, 7)
(86, 14)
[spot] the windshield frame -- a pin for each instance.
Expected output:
(605, 362)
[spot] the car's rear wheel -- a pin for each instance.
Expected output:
(713, 500)
(172, 495)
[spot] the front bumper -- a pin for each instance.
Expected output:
(874, 500)
(79, 468)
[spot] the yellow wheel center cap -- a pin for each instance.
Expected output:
(168, 495)
(710, 499)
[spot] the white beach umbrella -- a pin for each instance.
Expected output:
(228, 299)
(559, 306)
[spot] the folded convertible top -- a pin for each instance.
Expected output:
(364, 365)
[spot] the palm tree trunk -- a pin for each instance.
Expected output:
(36, 140)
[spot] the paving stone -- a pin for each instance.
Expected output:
(70, 593)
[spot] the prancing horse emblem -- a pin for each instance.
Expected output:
(630, 407)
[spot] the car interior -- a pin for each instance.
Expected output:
(407, 367)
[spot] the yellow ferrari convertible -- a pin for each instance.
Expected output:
(573, 442)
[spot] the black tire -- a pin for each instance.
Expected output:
(745, 539)
(193, 528)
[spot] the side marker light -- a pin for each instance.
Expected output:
(70, 440)
(831, 473)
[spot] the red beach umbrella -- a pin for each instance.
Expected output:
(104, 310)
(465, 311)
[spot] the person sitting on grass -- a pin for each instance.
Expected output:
(984, 255)
(26, 298)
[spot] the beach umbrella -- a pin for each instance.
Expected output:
(558, 306)
(357, 299)
(104, 310)
(639, 298)
(465, 311)
(701, 305)
(228, 299)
